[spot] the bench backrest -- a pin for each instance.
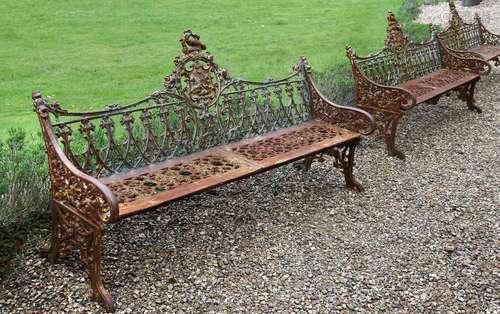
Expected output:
(460, 35)
(400, 60)
(200, 107)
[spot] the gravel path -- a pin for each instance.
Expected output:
(488, 10)
(422, 238)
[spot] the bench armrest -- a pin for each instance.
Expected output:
(464, 53)
(350, 118)
(487, 37)
(375, 96)
(462, 62)
(69, 185)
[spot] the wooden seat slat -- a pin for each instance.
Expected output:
(437, 83)
(488, 52)
(151, 189)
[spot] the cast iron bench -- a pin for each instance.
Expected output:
(404, 74)
(470, 40)
(204, 129)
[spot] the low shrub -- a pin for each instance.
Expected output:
(24, 189)
(337, 83)
(408, 13)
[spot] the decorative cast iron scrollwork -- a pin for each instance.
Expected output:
(197, 79)
(456, 22)
(396, 41)
(345, 117)
(340, 157)
(487, 36)
(163, 125)
(461, 37)
(393, 79)
(372, 95)
(472, 64)
(69, 186)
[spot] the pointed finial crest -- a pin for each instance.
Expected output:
(396, 40)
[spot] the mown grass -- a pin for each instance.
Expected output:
(337, 82)
(86, 54)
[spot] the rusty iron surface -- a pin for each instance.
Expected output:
(204, 128)
(404, 74)
(148, 187)
(201, 106)
(470, 40)
(435, 84)
(487, 52)
(272, 146)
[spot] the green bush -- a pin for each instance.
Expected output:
(23, 177)
(24, 191)
(408, 13)
(337, 83)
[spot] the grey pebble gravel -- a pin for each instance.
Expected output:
(488, 10)
(422, 238)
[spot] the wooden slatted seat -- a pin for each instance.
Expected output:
(470, 39)
(145, 188)
(202, 130)
(487, 52)
(432, 85)
(405, 74)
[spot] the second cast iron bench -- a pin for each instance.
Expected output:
(404, 74)
(470, 39)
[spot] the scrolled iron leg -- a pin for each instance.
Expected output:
(93, 263)
(496, 61)
(434, 100)
(71, 229)
(348, 166)
(52, 250)
(390, 136)
(471, 102)
(305, 164)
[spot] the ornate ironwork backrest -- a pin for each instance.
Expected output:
(400, 60)
(460, 35)
(200, 106)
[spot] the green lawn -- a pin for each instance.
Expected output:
(89, 53)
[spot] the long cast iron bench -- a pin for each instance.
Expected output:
(404, 74)
(202, 130)
(470, 39)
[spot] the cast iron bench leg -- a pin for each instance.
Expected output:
(343, 159)
(99, 293)
(87, 236)
(467, 95)
(391, 127)
(348, 166)
(51, 252)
